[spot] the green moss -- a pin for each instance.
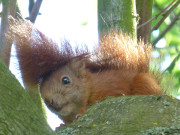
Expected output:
(18, 113)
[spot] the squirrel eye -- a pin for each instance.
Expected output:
(66, 80)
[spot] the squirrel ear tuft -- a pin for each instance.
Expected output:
(78, 66)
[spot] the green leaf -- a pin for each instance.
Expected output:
(84, 23)
(172, 65)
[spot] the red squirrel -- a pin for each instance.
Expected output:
(70, 81)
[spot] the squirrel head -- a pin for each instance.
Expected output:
(65, 90)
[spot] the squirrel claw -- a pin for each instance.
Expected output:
(78, 115)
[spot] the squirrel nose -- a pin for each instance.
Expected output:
(54, 105)
(51, 104)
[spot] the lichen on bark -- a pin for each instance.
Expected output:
(129, 115)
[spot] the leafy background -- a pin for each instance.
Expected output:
(168, 47)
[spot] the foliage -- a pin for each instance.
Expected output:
(171, 46)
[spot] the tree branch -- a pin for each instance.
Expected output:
(9, 8)
(172, 65)
(156, 16)
(35, 10)
(165, 16)
(31, 4)
(167, 29)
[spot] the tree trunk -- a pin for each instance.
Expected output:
(117, 15)
(144, 10)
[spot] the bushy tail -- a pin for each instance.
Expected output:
(37, 54)
(119, 51)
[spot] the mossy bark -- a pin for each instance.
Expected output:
(19, 115)
(129, 115)
(35, 95)
(116, 15)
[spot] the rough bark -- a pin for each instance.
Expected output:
(116, 15)
(129, 115)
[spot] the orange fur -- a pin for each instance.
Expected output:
(145, 84)
(70, 81)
